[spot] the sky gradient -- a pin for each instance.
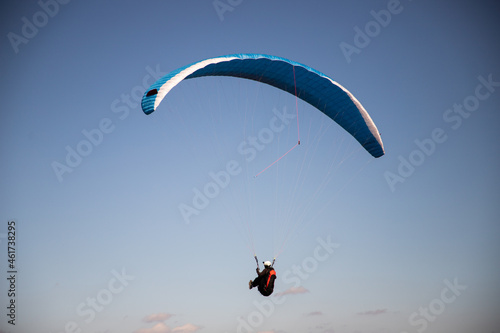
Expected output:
(404, 243)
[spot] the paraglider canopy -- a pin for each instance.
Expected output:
(300, 80)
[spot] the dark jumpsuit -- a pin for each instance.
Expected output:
(265, 281)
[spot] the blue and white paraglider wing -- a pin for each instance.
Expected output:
(306, 83)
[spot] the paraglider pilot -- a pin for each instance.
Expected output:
(265, 279)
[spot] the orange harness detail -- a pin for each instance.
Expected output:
(271, 273)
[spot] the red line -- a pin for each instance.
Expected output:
(296, 104)
(270, 165)
(298, 130)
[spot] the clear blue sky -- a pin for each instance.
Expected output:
(411, 238)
